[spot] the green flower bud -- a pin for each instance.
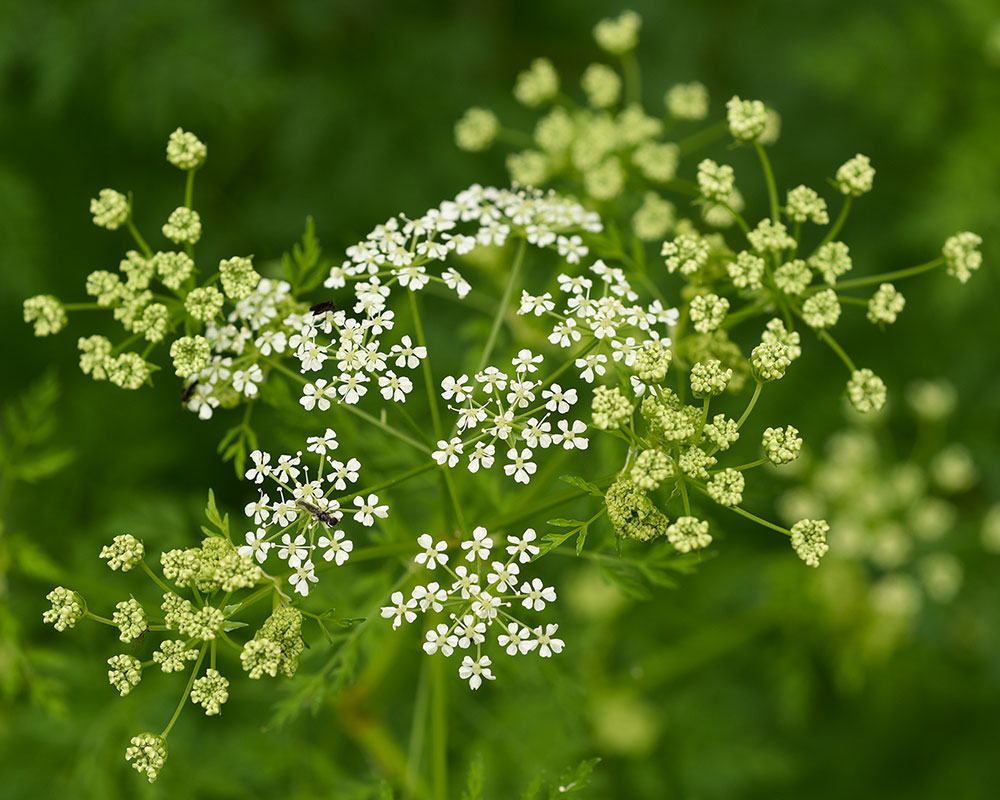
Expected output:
(555, 131)
(632, 513)
(715, 181)
(210, 692)
(538, 84)
(125, 673)
(174, 268)
(768, 361)
(476, 130)
(695, 463)
(130, 617)
(104, 286)
(127, 371)
(885, 305)
(831, 260)
(804, 205)
(781, 446)
(183, 226)
(687, 101)
(688, 253)
(722, 431)
(610, 408)
(110, 209)
(747, 118)
(709, 379)
(46, 312)
(651, 362)
(66, 609)
(962, 256)
(172, 655)
(770, 236)
(528, 168)
(866, 391)
(239, 278)
(689, 533)
(776, 333)
(138, 270)
(620, 35)
(153, 323)
(651, 468)
(147, 754)
(821, 310)
(284, 628)
(708, 312)
(124, 552)
(190, 355)
(746, 271)
(261, 656)
(654, 218)
(605, 181)
(793, 277)
(809, 540)
(94, 353)
(204, 303)
(185, 150)
(657, 161)
(726, 487)
(601, 85)
(855, 177)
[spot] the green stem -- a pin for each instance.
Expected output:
(703, 138)
(155, 577)
(838, 223)
(890, 276)
(772, 186)
(744, 513)
(146, 249)
(750, 405)
(439, 729)
(81, 306)
(633, 82)
(189, 188)
(187, 692)
(391, 482)
(826, 337)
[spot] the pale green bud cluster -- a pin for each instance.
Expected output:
(606, 180)
(885, 305)
(770, 236)
(708, 312)
(657, 161)
(805, 205)
(213, 566)
(746, 271)
(709, 379)
(726, 487)
(831, 260)
(276, 646)
(185, 150)
(747, 118)
(716, 181)
(238, 276)
(776, 333)
(720, 214)
(105, 287)
(147, 754)
(138, 270)
(635, 126)
(654, 218)
(110, 209)
(793, 277)
(66, 609)
(768, 361)
(821, 310)
(931, 400)
(190, 355)
(866, 391)
(688, 253)
(476, 130)
(610, 408)
(652, 361)
(124, 552)
(602, 85)
(210, 691)
(689, 533)
(173, 654)
(538, 84)
(128, 370)
(173, 268)
(204, 303)
(722, 431)
(125, 673)
(695, 463)
(781, 445)
(620, 35)
(130, 617)
(183, 226)
(528, 168)
(962, 256)
(46, 313)
(154, 322)
(667, 418)
(94, 353)
(855, 177)
(650, 469)
(809, 540)
(632, 513)
(687, 101)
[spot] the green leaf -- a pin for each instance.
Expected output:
(565, 523)
(474, 779)
(580, 483)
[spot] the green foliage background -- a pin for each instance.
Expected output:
(724, 687)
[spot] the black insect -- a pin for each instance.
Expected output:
(328, 518)
(187, 391)
(322, 308)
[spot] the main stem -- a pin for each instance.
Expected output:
(515, 270)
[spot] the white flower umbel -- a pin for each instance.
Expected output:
(486, 595)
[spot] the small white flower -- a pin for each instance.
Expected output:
(570, 437)
(255, 545)
(459, 388)
(430, 597)
(525, 360)
(318, 394)
(402, 609)
(522, 547)
(260, 509)
(547, 643)
(342, 474)
(440, 639)
(479, 546)
(448, 452)
(504, 576)
(481, 456)
(304, 575)
(537, 594)
(520, 466)
(293, 550)
(470, 631)
(517, 639)
(475, 670)
(369, 509)
(261, 466)
(433, 552)
(339, 547)
(559, 401)
(323, 444)
(406, 354)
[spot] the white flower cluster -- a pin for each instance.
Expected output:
(479, 596)
(401, 253)
(522, 412)
(304, 518)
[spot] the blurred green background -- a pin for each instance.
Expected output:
(726, 687)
